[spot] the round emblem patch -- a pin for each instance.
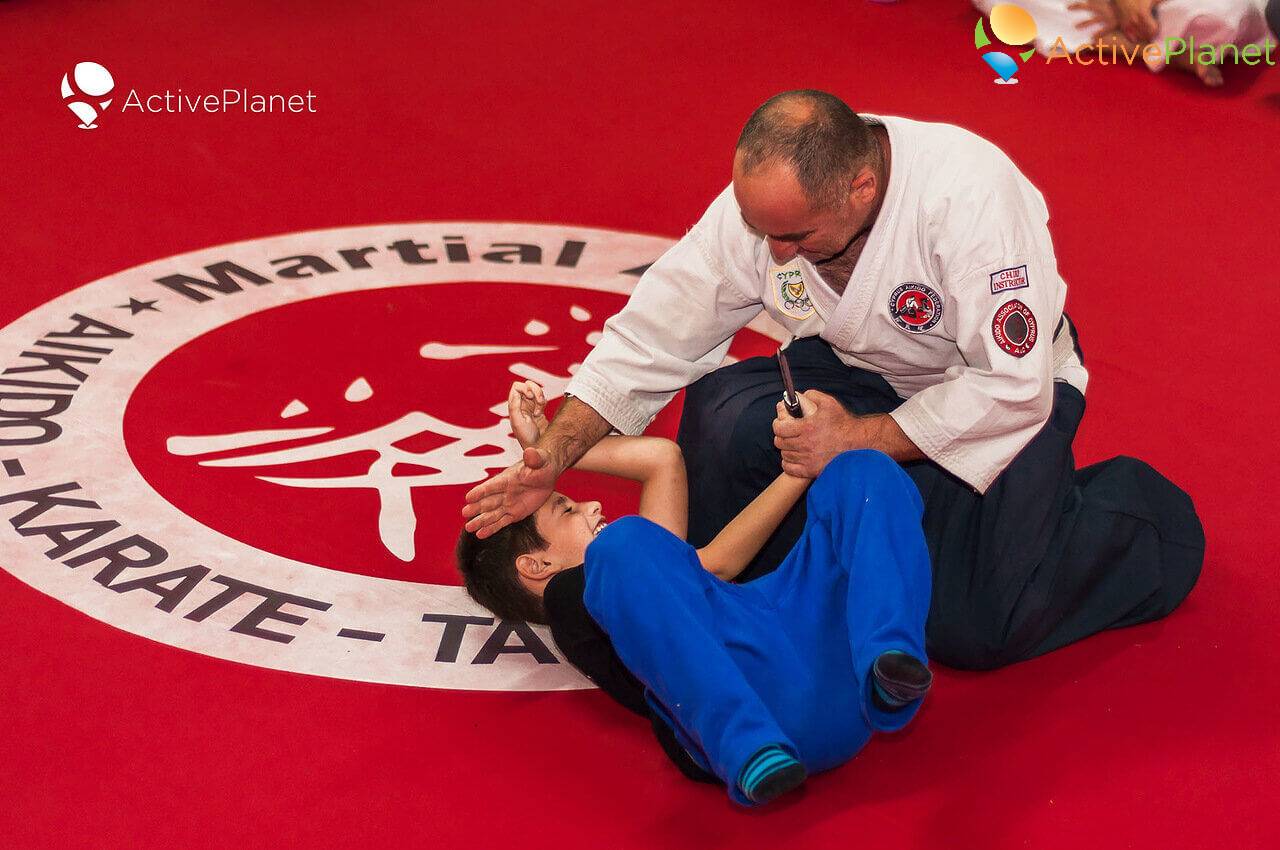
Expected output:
(1014, 328)
(915, 307)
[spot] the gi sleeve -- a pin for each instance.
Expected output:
(677, 325)
(1006, 296)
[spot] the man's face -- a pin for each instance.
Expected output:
(568, 527)
(774, 206)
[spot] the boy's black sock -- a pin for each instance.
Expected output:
(769, 774)
(898, 679)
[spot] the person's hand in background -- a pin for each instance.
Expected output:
(1137, 19)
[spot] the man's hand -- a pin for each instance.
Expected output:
(510, 495)
(808, 444)
(1137, 19)
(519, 490)
(827, 429)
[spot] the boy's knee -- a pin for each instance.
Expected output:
(612, 560)
(622, 539)
(632, 543)
(631, 559)
(854, 470)
(864, 463)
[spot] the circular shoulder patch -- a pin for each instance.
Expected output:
(915, 307)
(1014, 328)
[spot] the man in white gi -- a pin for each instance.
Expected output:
(913, 261)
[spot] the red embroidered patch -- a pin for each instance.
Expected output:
(915, 307)
(1014, 328)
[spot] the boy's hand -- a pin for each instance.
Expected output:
(526, 406)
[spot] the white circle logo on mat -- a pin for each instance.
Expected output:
(84, 90)
(259, 451)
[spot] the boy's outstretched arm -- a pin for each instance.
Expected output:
(739, 541)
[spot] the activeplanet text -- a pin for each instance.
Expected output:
(228, 100)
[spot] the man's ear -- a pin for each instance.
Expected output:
(533, 567)
(863, 185)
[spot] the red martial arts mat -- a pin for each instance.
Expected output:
(256, 325)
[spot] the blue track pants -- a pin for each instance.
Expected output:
(785, 659)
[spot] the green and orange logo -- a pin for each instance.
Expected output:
(1014, 27)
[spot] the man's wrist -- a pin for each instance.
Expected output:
(554, 458)
(881, 432)
(854, 432)
(558, 450)
(574, 430)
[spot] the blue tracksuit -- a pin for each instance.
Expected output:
(785, 659)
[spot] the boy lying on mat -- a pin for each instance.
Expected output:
(756, 685)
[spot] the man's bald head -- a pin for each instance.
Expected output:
(816, 135)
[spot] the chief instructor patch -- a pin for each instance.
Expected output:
(915, 307)
(1006, 279)
(1014, 328)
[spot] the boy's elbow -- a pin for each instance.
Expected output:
(714, 564)
(665, 455)
(668, 450)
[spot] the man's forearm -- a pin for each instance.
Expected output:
(576, 428)
(881, 432)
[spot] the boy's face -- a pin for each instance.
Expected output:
(568, 527)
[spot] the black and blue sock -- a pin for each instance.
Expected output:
(770, 773)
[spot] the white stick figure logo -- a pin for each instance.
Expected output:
(83, 89)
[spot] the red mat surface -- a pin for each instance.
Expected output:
(1163, 205)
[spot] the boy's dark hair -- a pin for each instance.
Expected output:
(489, 574)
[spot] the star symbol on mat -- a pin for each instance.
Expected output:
(135, 306)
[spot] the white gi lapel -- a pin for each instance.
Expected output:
(866, 281)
